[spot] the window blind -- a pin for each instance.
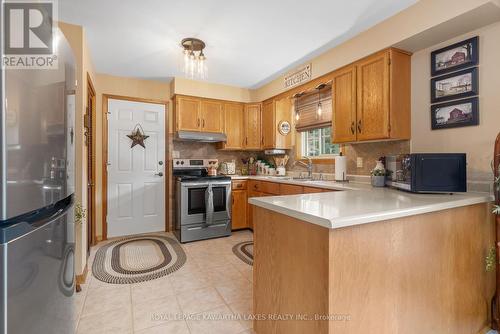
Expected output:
(307, 107)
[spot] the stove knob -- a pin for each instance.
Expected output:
(182, 162)
(177, 162)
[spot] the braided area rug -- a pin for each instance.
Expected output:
(137, 259)
(244, 251)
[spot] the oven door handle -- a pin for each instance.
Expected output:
(194, 185)
(228, 201)
(209, 204)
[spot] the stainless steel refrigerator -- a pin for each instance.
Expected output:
(37, 234)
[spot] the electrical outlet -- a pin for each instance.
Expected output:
(359, 162)
(175, 154)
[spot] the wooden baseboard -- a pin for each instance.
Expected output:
(80, 279)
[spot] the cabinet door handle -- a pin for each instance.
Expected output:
(198, 123)
(353, 127)
(203, 123)
(359, 126)
(246, 141)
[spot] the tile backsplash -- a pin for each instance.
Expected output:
(370, 152)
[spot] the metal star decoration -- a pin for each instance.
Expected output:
(138, 138)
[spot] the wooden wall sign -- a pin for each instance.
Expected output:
(299, 76)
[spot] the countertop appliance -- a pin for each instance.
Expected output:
(427, 172)
(202, 203)
(37, 233)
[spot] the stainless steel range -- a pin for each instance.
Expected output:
(203, 203)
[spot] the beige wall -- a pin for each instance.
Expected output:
(76, 37)
(420, 17)
(107, 84)
(210, 90)
(476, 141)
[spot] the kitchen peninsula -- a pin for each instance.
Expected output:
(376, 260)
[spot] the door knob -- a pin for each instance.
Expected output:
(160, 163)
(159, 174)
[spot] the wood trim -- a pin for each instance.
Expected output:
(104, 187)
(80, 279)
(104, 194)
(92, 94)
(136, 99)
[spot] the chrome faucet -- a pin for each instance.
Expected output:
(308, 165)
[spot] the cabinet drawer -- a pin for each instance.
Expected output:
(290, 189)
(312, 190)
(239, 185)
(254, 185)
(270, 188)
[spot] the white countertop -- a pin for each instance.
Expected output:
(359, 203)
(316, 184)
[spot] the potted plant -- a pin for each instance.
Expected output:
(378, 175)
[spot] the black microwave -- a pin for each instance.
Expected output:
(427, 172)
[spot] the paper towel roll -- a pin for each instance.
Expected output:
(340, 168)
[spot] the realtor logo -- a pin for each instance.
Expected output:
(28, 34)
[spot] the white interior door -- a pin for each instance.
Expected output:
(136, 191)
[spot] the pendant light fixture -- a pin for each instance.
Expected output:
(195, 66)
(319, 110)
(296, 97)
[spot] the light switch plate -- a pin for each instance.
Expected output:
(359, 162)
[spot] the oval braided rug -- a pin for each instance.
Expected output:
(138, 259)
(244, 251)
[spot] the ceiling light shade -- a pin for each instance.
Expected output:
(195, 66)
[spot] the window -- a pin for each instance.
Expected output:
(318, 142)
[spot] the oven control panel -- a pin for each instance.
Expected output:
(195, 163)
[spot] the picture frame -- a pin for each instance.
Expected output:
(455, 57)
(455, 114)
(454, 86)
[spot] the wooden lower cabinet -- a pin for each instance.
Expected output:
(312, 190)
(239, 209)
(291, 189)
(256, 188)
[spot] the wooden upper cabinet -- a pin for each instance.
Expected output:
(211, 116)
(373, 97)
(344, 105)
(283, 112)
(374, 93)
(234, 126)
(253, 121)
(273, 112)
(268, 124)
(187, 112)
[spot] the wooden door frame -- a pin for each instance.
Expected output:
(104, 192)
(92, 113)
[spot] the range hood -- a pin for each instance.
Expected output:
(205, 137)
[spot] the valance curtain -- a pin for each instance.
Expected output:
(307, 108)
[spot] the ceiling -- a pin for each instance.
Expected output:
(249, 43)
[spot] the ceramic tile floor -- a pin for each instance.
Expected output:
(213, 283)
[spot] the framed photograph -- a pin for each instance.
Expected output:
(455, 114)
(455, 85)
(455, 57)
